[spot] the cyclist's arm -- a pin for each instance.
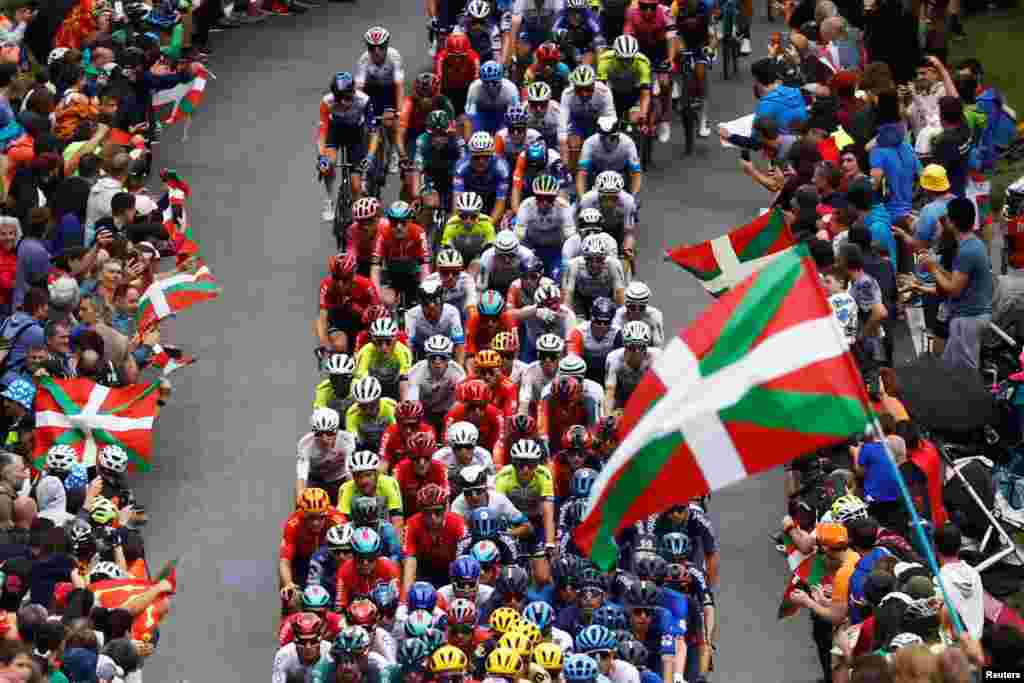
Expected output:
(377, 260)
(547, 506)
(362, 368)
(301, 469)
(611, 381)
(404, 117)
(325, 124)
(569, 284)
(404, 366)
(399, 84)
(513, 36)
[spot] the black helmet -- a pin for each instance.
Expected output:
(602, 309)
(649, 566)
(632, 651)
(365, 511)
(565, 570)
(512, 580)
(642, 594)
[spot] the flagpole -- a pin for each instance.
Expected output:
(918, 525)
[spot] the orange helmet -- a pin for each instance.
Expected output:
(457, 44)
(832, 535)
(421, 444)
(342, 266)
(548, 52)
(474, 391)
(314, 501)
(431, 496)
(505, 342)
(488, 359)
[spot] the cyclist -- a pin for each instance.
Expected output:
(367, 480)
(564, 404)
(469, 231)
(379, 73)
(488, 366)
(572, 365)
(349, 660)
(490, 97)
(449, 664)
(366, 512)
(609, 150)
(456, 67)
(501, 264)
(532, 24)
(691, 520)
(322, 453)
(542, 105)
(483, 28)
(323, 566)
(549, 69)
(549, 349)
(432, 381)
(515, 136)
(394, 444)
(304, 532)
(344, 297)
(299, 657)
(401, 256)
(489, 319)
(529, 486)
(638, 308)
(618, 212)
(430, 539)
(367, 568)
(434, 317)
(652, 625)
(438, 152)
(580, 107)
(490, 521)
(361, 234)
(600, 642)
(316, 600)
(459, 286)
(370, 415)
(463, 450)
(413, 660)
(463, 631)
(385, 359)
(588, 222)
(474, 405)
(485, 174)
(572, 469)
(627, 366)
(612, 14)
(548, 315)
(426, 97)
(627, 71)
(523, 289)
(606, 437)
(373, 314)
(544, 222)
(579, 33)
(594, 274)
(347, 119)
(595, 339)
(693, 22)
(536, 160)
(650, 22)
(419, 469)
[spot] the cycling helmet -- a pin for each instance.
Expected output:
(431, 496)
(308, 626)
(848, 508)
(491, 72)
(362, 612)
(314, 501)
(580, 669)
(464, 568)
(611, 616)
(483, 523)
(491, 302)
(522, 426)
(638, 293)
(420, 444)
(582, 482)
(505, 342)
(485, 552)
(567, 389)
(594, 638)
(540, 613)
(906, 639)
(399, 211)
(577, 438)
(545, 186)
(79, 532)
(366, 542)
(532, 632)
(56, 55)
(472, 476)
(469, 202)
(646, 543)
(457, 44)
(378, 35)
(409, 411)
(512, 579)
(374, 312)
(609, 182)
(590, 220)
(642, 594)
(105, 571)
(582, 76)
(481, 142)
(340, 364)
(325, 420)
(487, 359)
(538, 91)
(632, 651)
(548, 655)
(418, 623)
(353, 640)
(474, 391)
(675, 544)
(565, 570)
(363, 461)
(341, 266)
(339, 536)
(636, 332)
(537, 153)
(547, 294)
(60, 458)
(431, 291)
(463, 434)
(412, 654)
(438, 345)
(516, 116)
(575, 512)
(516, 640)
(385, 596)
(342, 83)
(576, 4)
(526, 449)
(113, 458)
(434, 638)
(593, 246)
(607, 125)
(365, 512)
(572, 365)
(426, 85)
(547, 52)
(602, 310)
(626, 46)
(478, 9)
(438, 121)
(449, 258)
(550, 343)
(449, 659)
(366, 389)
(506, 242)
(504, 661)
(383, 328)
(102, 511)
(462, 612)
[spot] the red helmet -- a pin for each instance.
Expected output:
(409, 411)
(421, 444)
(308, 626)
(474, 391)
(462, 612)
(566, 389)
(457, 44)
(342, 266)
(431, 496)
(522, 426)
(374, 312)
(577, 438)
(548, 52)
(362, 612)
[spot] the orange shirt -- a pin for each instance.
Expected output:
(841, 584)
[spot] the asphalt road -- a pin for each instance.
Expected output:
(223, 478)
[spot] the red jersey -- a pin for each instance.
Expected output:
(361, 294)
(491, 426)
(363, 338)
(554, 419)
(927, 458)
(352, 585)
(332, 621)
(298, 542)
(413, 116)
(650, 33)
(477, 338)
(433, 549)
(8, 267)
(410, 484)
(505, 395)
(412, 249)
(360, 241)
(455, 73)
(392, 443)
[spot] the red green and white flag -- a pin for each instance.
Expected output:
(185, 97)
(114, 593)
(169, 359)
(727, 260)
(793, 555)
(88, 416)
(809, 573)
(176, 293)
(766, 364)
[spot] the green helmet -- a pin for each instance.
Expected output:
(438, 121)
(545, 185)
(352, 640)
(413, 653)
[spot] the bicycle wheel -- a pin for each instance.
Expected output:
(343, 206)
(646, 149)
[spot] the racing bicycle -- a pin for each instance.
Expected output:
(687, 105)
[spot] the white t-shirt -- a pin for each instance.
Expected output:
(963, 584)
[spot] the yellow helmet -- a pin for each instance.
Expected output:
(517, 641)
(449, 660)
(504, 618)
(531, 631)
(102, 510)
(549, 656)
(487, 359)
(505, 342)
(504, 661)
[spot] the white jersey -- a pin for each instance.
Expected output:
(481, 456)
(562, 639)
(449, 324)
(493, 277)
(533, 383)
(544, 228)
(498, 503)
(481, 100)
(287, 660)
(626, 378)
(483, 594)
(584, 113)
(617, 219)
(436, 395)
(546, 123)
(580, 281)
(561, 325)
(383, 75)
(596, 157)
(623, 672)
(384, 645)
(463, 294)
(518, 368)
(324, 465)
(652, 316)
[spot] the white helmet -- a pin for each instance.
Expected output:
(609, 182)
(469, 202)
(463, 434)
(325, 420)
(572, 366)
(550, 343)
(478, 9)
(481, 142)
(636, 332)
(366, 389)
(590, 219)
(114, 458)
(506, 242)
(339, 537)
(538, 91)
(610, 245)
(340, 364)
(60, 457)
(594, 246)
(383, 328)
(106, 570)
(526, 449)
(547, 291)
(363, 461)
(638, 293)
(626, 46)
(448, 258)
(438, 345)
(56, 54)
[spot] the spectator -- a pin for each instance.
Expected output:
(868, 295)
(781, 102)
(894, 161)
(827, 180)
(33, 262)
(872, 215)
(835, 46)
(852, 163)
(881, 490)
(13, 475)
(24, 329)
(961, 580)
(950, 147)
(928, 227)
(103, 192)
(58, 344)
(923, 453)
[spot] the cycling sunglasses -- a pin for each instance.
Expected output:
(464, 586)
(475, 491)
(548, 355)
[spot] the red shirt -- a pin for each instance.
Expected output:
(927, 458)
(361, 294)
(298, 542)
(410, 484)
(332, 620)
(477, 338)
(412, 248)
(435, 550)
(352, 585)
(392, 442)
(8, 266)
(505, 395)
(454, 73)
(491, 426)
(360, 242)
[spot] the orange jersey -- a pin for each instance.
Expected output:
(505, 395)
(413, 247)
(477, 338)
(455, 73)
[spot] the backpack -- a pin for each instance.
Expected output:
(999, 133)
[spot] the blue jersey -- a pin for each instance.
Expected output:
(493, 182)
(676, 610)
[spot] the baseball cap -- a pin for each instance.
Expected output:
(934, 178)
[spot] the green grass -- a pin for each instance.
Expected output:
(994, 39)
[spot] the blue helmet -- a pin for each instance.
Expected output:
(342, 82)
(611, 616)
(582, 481)
(485, 552)
(603, 310)
(491, 303)
(595, 638)
(675, 544)
(422, 596)
(399, 211)
(491, 72)
(21, 391)
(537, 153)
(575, 512)
(516, 116)
(78, 477)
(540, 613)
(465, 568)
(385, 596)
(483, 523)
(580, 669)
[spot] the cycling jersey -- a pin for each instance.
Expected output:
(486, 107)
(556, 76)
(544, 228)
(491, 185)
(480, 456)
(378, 80)
(485, 42)
(298, 543)
(652, 316)
(625, 378)
(352, 585)
(470, 240)
(651, 32)
(360, 241)
(439, 163)
(693, 19)
(361, 294)
(477, 337)
(584, 343)
(519, 295)
(579, 116)
(410, 483)
(505, 396)
(527, 497)
(698, 527)
(364, 338)
(597, 156)
(531, 386)
(408, 254)
(323, 465)
(491, 425)
(387, 493)
(323, 397)
(581, 282)
(333, 623)
(623, 672)
(593, 396)
(496, 274)
(437, 394)
(393, 442)
(420, 327)
(538, 18)
(523, 175)
(462, 295)
(370, 429)
(554, 418)
(483, 594)
(323, 566)
(584, 35)
(619, 218)
(624, 77)
(337, 126)
(414, 112)
(508, 149)
(287, 662)
(534, 327)
(390, 368)
(546, 121)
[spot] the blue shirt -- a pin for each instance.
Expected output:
(901, 167)
(879, 223)
(976, 298)
(880, 485)
(784, 104)
(927, 227)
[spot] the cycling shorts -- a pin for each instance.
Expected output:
(458, 97)
(626, 101)
(382, 97)
(402, 281)
(532, 545)
(582, 129)
(351, 139)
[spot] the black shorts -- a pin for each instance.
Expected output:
(354, 142)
